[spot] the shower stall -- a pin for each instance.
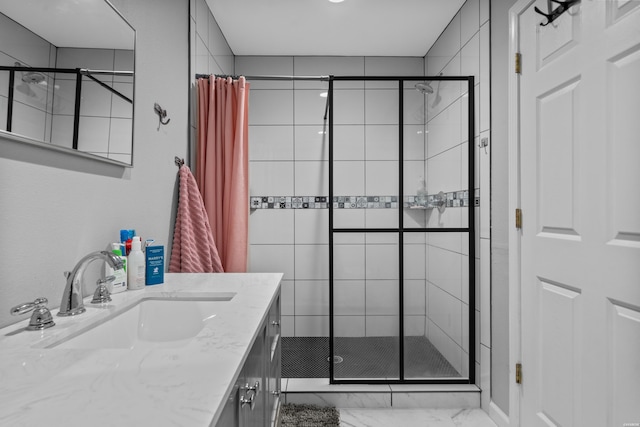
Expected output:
(401, 234)
(402, 312)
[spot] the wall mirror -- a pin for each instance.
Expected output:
(67, 77)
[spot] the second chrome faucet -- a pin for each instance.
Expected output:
(72, 298)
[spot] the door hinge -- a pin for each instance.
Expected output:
(518, 218)
(518, 373)
(518, 64)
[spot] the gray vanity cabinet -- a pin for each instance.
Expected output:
(274, 362)
(255, 398)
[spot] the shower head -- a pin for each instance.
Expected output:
(424, 88)
(33, 77)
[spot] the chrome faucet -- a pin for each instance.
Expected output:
(72, 303)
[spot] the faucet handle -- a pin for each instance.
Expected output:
(41, 317)
(102, 294)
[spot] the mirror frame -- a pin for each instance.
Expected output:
(75, 152)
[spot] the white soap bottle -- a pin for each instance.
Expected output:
(136, 265)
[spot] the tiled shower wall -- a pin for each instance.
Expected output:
(462, 49)
(289, 157)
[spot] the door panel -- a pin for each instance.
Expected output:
(558, 162)
(560, 311)
(579, 109)
(623, 126)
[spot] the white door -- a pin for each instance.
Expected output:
(579, 141)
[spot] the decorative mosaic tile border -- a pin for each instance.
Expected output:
(453, 199)
(289, 202)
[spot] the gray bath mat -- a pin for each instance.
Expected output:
(294, 415)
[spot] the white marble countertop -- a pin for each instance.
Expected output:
(184, 386)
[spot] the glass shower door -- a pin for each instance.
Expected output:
(399, 230)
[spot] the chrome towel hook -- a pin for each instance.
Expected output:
(162, 114)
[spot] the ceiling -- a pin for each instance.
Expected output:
(79, 23)
(322, 28)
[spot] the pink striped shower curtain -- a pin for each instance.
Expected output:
(222, 165)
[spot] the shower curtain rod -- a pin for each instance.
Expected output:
(321, 78)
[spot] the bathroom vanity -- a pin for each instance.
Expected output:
(198, 350)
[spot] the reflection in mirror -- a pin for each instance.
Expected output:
(67, 76)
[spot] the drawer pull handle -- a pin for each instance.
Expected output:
(251, 392)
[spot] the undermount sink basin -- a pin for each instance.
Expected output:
(150, 323)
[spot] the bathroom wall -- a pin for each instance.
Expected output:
(501, 65)
(56, 208)
(462, 49)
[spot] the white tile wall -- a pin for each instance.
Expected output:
(93, 134)
(349, 297)
(414, 326)
(463, 48)
(382, 298)
(311, 262)
(381, 106)
(349, 262)
(261, 108)
(348, 143)
(311, 178)
(415, 298)
(348, 107)
(381, 178)
(312, 326)
(349, 326)
(311, 226)
(271, 226)
(272, 259)
(444, 270)
(28, 121)
(312, 142)
(381, 262)
(271, 178)
(271, 143)
(469, 20)
(414, 265)
(96, 101)
(381, 142)
(312, 297)
(349, 177)
(120, 133)
(382, 326)
(414, 142)
(309, 106)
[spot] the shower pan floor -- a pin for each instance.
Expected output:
(363, 357)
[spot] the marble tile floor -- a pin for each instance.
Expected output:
(387, 417)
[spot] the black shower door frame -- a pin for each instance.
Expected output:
(470, 229)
